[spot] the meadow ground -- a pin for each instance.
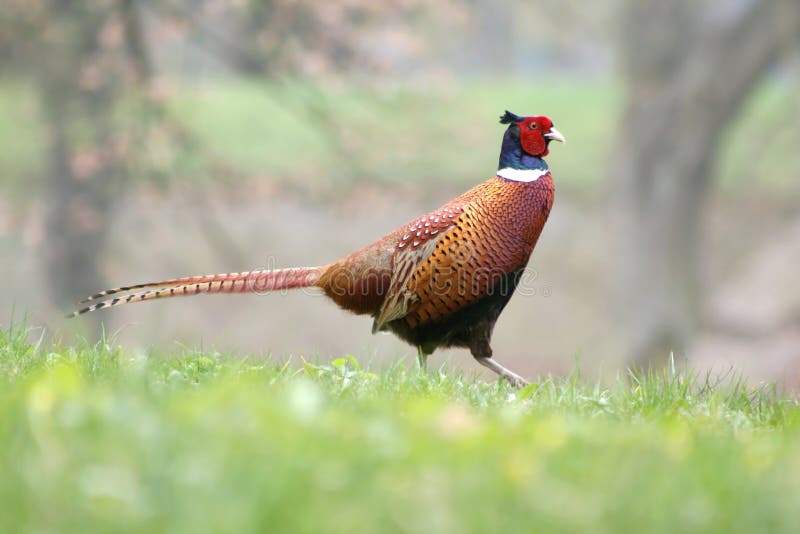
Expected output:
(94, 438)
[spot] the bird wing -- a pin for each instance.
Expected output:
(473, 258)
(412, 249)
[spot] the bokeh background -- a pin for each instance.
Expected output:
(148, 139)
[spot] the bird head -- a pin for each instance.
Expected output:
(533, 134)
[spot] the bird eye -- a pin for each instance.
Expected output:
(532, 126)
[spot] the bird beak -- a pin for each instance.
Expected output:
(555, 135)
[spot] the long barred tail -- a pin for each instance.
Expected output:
(247, 282)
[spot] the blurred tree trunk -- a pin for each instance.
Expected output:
(77, 206)
(685, 83)
(90, 50)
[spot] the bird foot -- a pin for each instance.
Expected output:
(513, 379)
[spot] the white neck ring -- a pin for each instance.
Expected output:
(522, 175)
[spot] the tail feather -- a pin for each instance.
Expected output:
(150, 285)
(246, 282)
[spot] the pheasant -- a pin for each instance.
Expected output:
(441, 280)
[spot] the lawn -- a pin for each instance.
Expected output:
(95, 438)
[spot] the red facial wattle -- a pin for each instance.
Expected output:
(532, 135)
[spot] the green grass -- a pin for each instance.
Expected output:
(325, 137)
(94, 438)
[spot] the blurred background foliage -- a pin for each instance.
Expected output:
(145, 139)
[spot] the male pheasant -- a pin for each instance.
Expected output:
(439, 281)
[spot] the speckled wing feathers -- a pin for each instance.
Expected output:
(399, 296)
(463, 268)
(412, 250)
(491, 231)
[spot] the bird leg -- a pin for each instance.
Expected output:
(482, 351)
(422, 359)
(511, 377)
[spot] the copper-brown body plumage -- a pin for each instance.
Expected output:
(441, 280)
